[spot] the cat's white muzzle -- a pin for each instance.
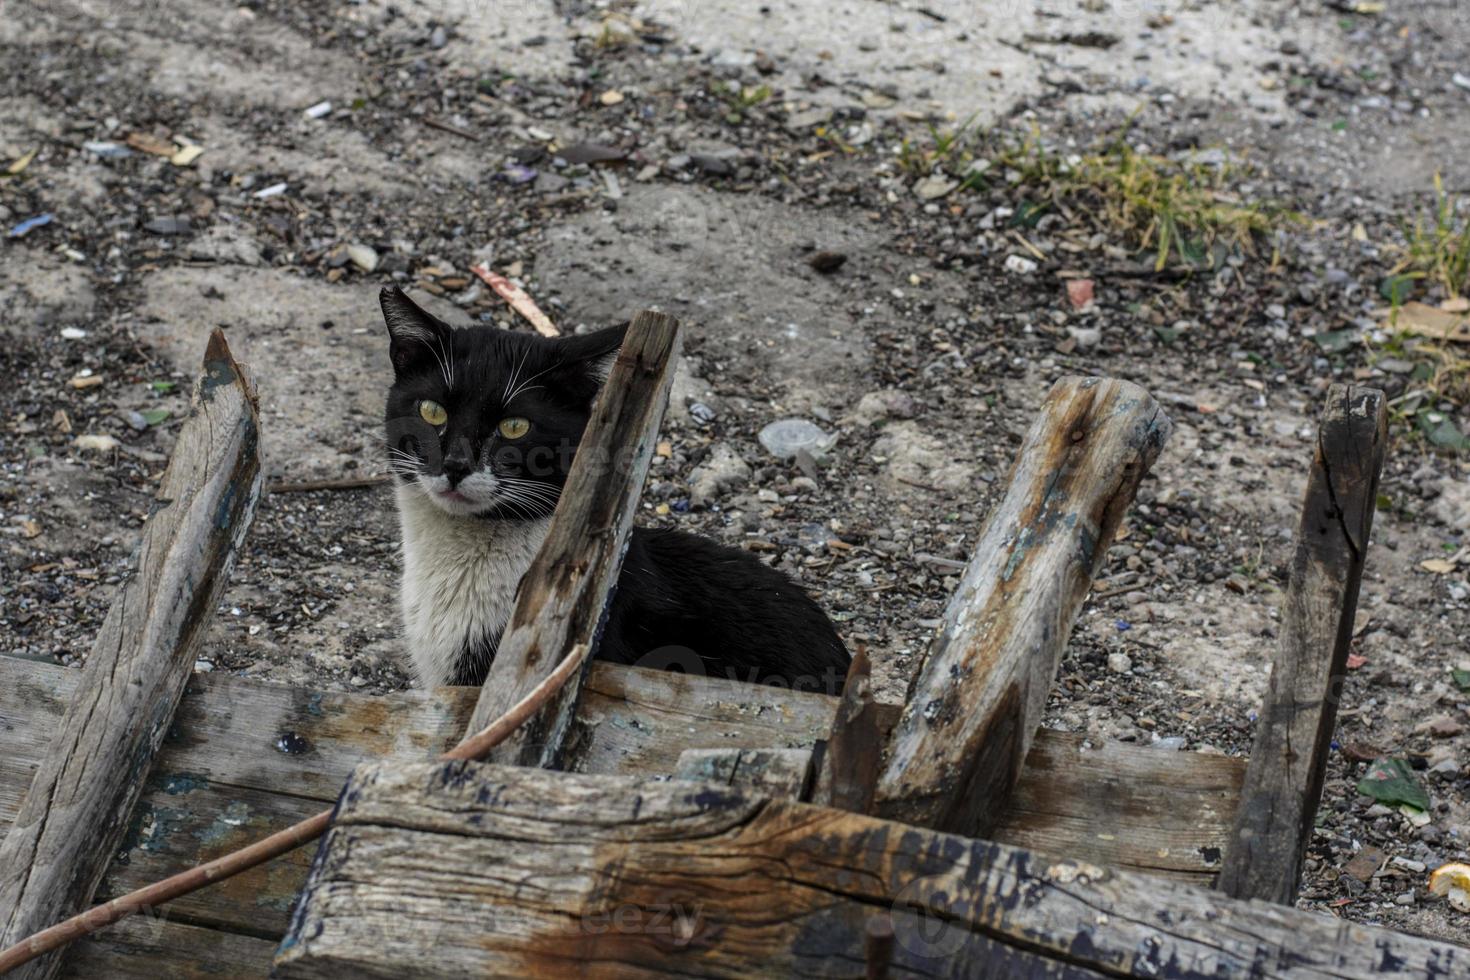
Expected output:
(474, 493)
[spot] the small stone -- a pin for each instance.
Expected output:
(1086, 337)
(363, 257)
(1365, 864)
(826, 262)
(1407, 898)
(715, 166)
(722, 470)
(611, 97)
(1120, 663)
(438, 38)
(1020, 265)
(933, 188)
(72, 333)
(318, 110)
(173, 225)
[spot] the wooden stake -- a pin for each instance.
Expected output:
(74, 815)
(563, 597)
(978, 699)
(1283, 782)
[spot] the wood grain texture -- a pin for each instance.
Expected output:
(1288, 762)
(976, 703)
(468, 869)
(73, 815)
(780, 773)
(154, 947)
(1124, 806)
(562, 599)
(1116, 805)
(853, 756)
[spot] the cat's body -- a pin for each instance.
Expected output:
(481, 452)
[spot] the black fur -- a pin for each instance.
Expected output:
(682, 602)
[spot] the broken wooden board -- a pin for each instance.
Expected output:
(1293, 740)
(562, 600)
(88, 777)
(979, 696)
(468, 869)
(1102, 806)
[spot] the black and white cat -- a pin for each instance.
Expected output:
(482, 425)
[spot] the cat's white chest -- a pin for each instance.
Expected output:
(459, 581)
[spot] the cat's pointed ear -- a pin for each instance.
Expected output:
(591, 355)
(415, 336)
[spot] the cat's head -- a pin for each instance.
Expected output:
(483, 421)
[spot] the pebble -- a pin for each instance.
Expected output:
(933, 188)
(171, 225)
(363, 257)
(722, 470)
(1120, 663)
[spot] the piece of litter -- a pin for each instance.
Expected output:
(271, 191)
(1391, 781)
(1020, 265)
(21, 163)
(85, 380)
(107, 149)
(1438, 566)
(72, 333)
(519, 300)
(318, 110)
(1452, 882)
(97, 443)
(611, 97)
(186, 155)
(31, 224)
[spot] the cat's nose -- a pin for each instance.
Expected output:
(456, 467)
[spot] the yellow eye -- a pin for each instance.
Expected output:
(514, 428)
(433, 413)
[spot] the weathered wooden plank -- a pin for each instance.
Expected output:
(633, 720)
(1288, 763)
(73, 815)
(33, 697)
(562, 599)
(153, 947)
(1124, 806)
(781, 773)
(1103, 805)
(180, 822)
(974, 708)
(476, 870)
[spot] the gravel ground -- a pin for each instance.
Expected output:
(452, 136)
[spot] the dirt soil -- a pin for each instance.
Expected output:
(451, 136)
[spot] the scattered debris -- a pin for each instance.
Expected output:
(1391, 781)
(519, 300)
(31, 224)
(1452, 883)
(784, 438)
